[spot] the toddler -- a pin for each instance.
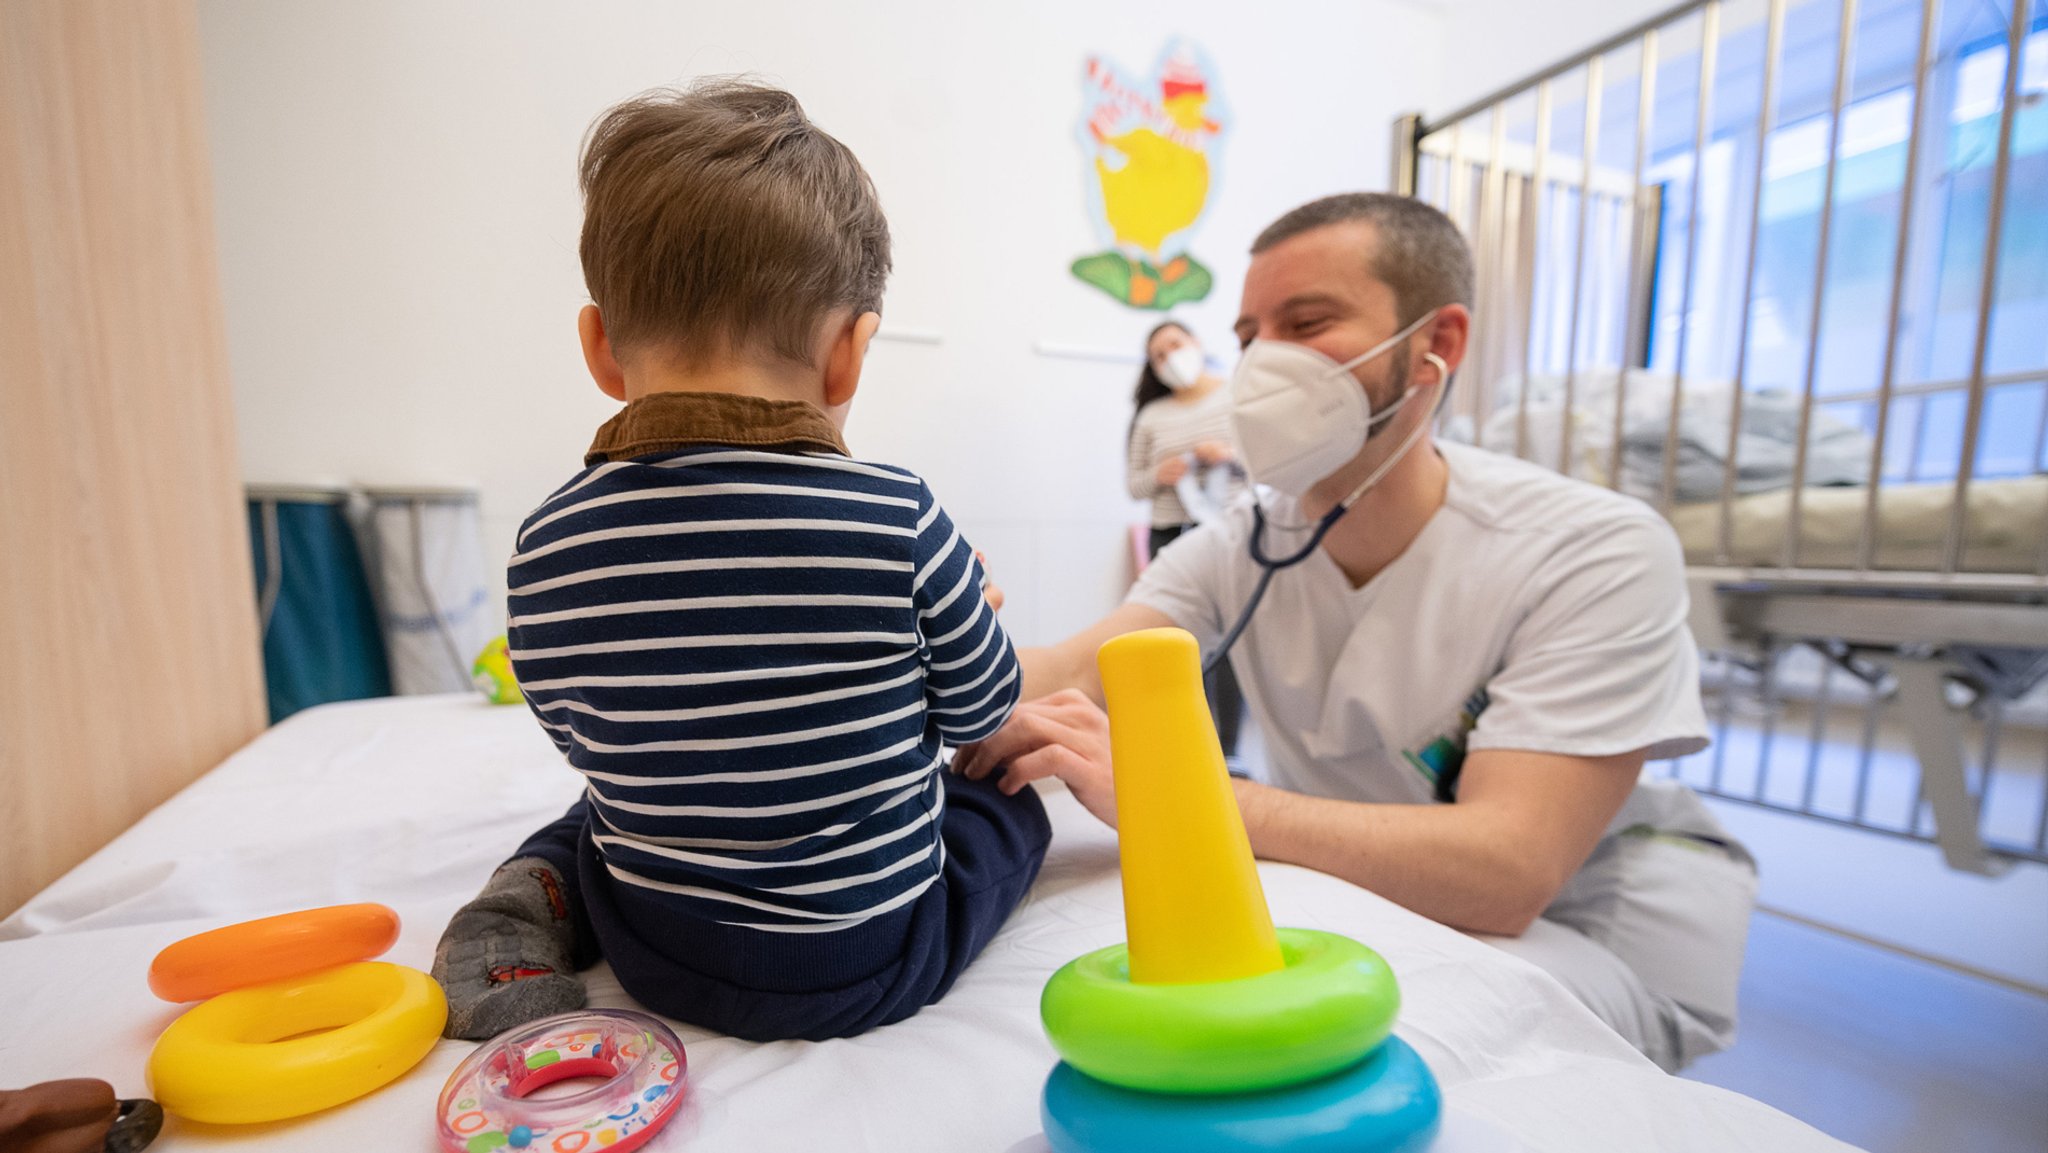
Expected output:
(751, 645)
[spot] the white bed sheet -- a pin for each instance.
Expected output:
(412, 802)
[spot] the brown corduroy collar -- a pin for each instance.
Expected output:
(668, 421)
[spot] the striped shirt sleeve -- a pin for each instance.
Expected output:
(971, 672)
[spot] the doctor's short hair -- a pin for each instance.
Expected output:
(719, 221)
(1418, 252)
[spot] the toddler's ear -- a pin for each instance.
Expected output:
(597, 353)
(843, 361)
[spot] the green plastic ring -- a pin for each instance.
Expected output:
(1328, 1007)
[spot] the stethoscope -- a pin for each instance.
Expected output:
(1268, 566)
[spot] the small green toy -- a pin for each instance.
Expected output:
(492, 674)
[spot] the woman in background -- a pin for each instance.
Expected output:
(1182, 425)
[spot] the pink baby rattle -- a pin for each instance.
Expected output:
(488, 1103)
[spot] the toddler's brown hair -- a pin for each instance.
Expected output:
(719, 222)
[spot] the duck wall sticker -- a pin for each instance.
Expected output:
(1152, 150)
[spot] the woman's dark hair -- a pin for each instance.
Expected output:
(1150, 387)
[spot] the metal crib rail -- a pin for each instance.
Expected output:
(1939, 766)
(1929, 643)
(1937, 678)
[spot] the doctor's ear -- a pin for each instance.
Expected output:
(1447, 337)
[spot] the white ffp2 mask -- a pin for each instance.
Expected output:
(1182, 368)
(1299, 416)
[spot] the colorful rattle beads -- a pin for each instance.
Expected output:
(488, 1102)
(1210, 1031)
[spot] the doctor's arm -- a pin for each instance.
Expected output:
(1491, 863)
(1070, 664)
(1523, 824)
(1602, 658)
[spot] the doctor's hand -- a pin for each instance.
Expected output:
(1064, 735)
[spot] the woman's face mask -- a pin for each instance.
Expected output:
(1182, 367)
(1299, 416)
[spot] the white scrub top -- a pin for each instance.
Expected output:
(1533, 612)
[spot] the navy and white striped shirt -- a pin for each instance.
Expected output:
(753, 657)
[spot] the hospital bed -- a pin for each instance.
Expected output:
(1592, 191)
(413, 801)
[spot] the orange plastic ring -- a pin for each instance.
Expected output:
(270, 949)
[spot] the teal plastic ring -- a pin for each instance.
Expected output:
(1328, 1007)
(1387, 1103)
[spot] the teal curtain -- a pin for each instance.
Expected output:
(321, 641)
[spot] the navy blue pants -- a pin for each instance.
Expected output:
(762, 986)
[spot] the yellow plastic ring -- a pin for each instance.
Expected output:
(296, 1046)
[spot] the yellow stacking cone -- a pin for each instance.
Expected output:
(1193, 907)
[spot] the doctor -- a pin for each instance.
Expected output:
(1460, 682)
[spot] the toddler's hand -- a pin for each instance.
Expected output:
(1214, 452)
(1171, 470)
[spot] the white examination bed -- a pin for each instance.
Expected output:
(412, 802)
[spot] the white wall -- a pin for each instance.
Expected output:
(398, 221)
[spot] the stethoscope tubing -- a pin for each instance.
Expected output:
(1267, 568)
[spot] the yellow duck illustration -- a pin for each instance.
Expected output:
(1157, 190)
(1152, 160)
